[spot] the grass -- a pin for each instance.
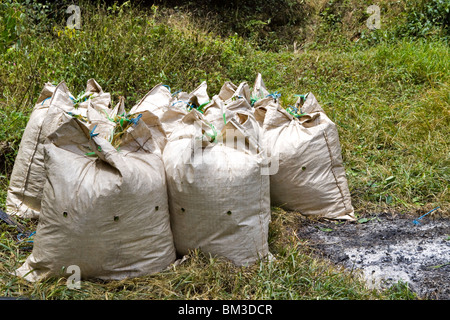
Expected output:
(388, 94)
(293, 274)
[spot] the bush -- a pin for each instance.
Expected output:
(11, 23)
(269, 24)
(427, 18)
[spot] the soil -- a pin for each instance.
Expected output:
(388, 248)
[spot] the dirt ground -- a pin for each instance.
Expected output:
(388, 248)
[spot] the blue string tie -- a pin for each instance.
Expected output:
(21, 236)
(135, 120)
(274, 95)
(91, 133)
(45, 100)
(417, 222)
(176, 92)
(165, 85)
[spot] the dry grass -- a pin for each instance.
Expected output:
(292, 273)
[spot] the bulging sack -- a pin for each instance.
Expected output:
(156, 101)
(24, 191)
(27, 178)
(106, 213)
(218, 197)
(311, 176)
(171, 108)
(232, 102)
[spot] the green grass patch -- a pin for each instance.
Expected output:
(387, 92)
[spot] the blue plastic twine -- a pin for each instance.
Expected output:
(165, 85)
(135, 120)
(274, 95)
(91, 133)
(416, 221)
(20, 235)
(45, 100)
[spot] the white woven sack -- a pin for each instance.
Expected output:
(311, 177)
(27, 179)
(156, 101)
(106, 215)
(171, 108)
(232, 102)
(218, 198)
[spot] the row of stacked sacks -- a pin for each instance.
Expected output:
(299, 144)
(123, 194)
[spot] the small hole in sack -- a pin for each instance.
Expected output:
(183, 210)
(228, 212)
(303, 168)
(65, 214)
(157, 208)
(116, 218)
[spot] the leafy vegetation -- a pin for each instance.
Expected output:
(386, 89)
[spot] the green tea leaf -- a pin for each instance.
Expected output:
(363, 220)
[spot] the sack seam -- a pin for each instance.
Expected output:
(333, 170)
